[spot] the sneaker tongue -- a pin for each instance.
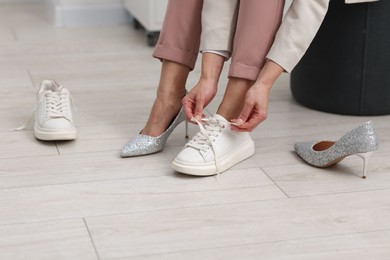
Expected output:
(50, 85)
(219, 118)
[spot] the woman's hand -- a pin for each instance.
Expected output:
(206, 89)
(255, 109)
(198, 98)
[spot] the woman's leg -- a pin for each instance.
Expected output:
(180, 35)
(216, 147)
(177, 48)
(218, 25)
(170, 91)
(257, 23)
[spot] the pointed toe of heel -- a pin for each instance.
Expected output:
(145, 144)
(142, 145)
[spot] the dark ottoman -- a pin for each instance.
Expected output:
(346, 70)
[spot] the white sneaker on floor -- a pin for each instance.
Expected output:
(53, 115)
(214, 149)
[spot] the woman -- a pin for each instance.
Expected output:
(178, 47)
(214, 149)
(298, 29)
(205, 155)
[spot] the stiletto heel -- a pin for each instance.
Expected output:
(365, 157)
(361, 141)
(186, 123)
(145, 144)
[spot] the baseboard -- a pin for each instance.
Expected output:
(87, 15)
(20, 1)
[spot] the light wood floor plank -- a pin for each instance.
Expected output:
(6, 34)
(304, 180)
(14, 79)
(359, 246)
(23, 144)
(60, 240)
(79, 168)
(124, 236)
(133, 195)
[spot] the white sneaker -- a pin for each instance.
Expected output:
(214, 149)
(53, 116)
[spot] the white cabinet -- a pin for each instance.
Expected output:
(148, 14)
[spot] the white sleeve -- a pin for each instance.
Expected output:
(224, 54)
(298, 29)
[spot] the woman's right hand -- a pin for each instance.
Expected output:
(198, 98)
(206, 89)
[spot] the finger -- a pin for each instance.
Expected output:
(188, 106)
(239, 128)
(251, 124)
(199, 105)
(245, 113)
(255, 120)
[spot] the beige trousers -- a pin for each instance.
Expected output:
(256, 24)
(219, 18)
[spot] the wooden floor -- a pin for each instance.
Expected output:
(79, 200)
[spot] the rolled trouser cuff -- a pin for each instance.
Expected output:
(238, 70)
(164, 52)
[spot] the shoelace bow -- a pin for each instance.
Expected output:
(56, 107)
(210, 129)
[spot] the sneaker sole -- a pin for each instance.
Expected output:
(50, 135)
(239, 154)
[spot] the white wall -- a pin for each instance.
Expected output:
(74, 13)
(19, 1)
(89, 2)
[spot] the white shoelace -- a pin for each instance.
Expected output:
(56, 107)
(210, 129)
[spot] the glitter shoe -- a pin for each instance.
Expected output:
(361, 141)
(214, 149)
(145, 144)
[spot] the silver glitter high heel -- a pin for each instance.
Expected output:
(361, 141)
(145, 144)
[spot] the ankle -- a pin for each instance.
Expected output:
(171, 95)
(164, 110)
(229, 112)
(168, 104)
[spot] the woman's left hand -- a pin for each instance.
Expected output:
(255, 109)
